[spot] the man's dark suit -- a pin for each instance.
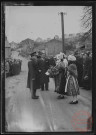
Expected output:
(43, 66)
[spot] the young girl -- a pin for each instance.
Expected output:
(72, 83)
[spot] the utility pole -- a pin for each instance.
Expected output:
(62, 27)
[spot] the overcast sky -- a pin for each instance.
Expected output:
(23, 22)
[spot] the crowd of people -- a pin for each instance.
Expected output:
(84, 67)
(69, 73)
(37, 67)
(12, 66)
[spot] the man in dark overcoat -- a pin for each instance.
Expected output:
(47, 64)
(79, 64)
(86, 67)
(43, 65)
(32, 81)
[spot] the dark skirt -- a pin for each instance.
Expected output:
(62, 84)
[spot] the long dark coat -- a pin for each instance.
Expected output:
(87, 72)
(47, 64)
(79, 64)
(43, 66)
(33, 74)
(86, 65)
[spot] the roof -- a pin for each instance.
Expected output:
(38, 43)
(53, 40)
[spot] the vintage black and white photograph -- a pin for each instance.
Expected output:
(48, 68)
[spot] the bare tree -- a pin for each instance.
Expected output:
(86, 21)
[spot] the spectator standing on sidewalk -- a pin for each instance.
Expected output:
(86, 71)
(79, 64)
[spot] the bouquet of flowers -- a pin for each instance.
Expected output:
(53, 71)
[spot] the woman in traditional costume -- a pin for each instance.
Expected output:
(72, 86)
(62, 78)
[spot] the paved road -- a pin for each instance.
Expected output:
(47, 113)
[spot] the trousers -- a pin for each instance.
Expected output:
(46, 86)
(32, 90)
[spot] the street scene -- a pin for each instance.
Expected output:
(48, 69)
(45, 114)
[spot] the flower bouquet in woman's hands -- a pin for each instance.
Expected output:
(52, 71)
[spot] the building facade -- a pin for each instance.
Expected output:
(53, 47)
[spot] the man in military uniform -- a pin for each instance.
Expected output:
(43, 65)
(41, 70)
(32, 81)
